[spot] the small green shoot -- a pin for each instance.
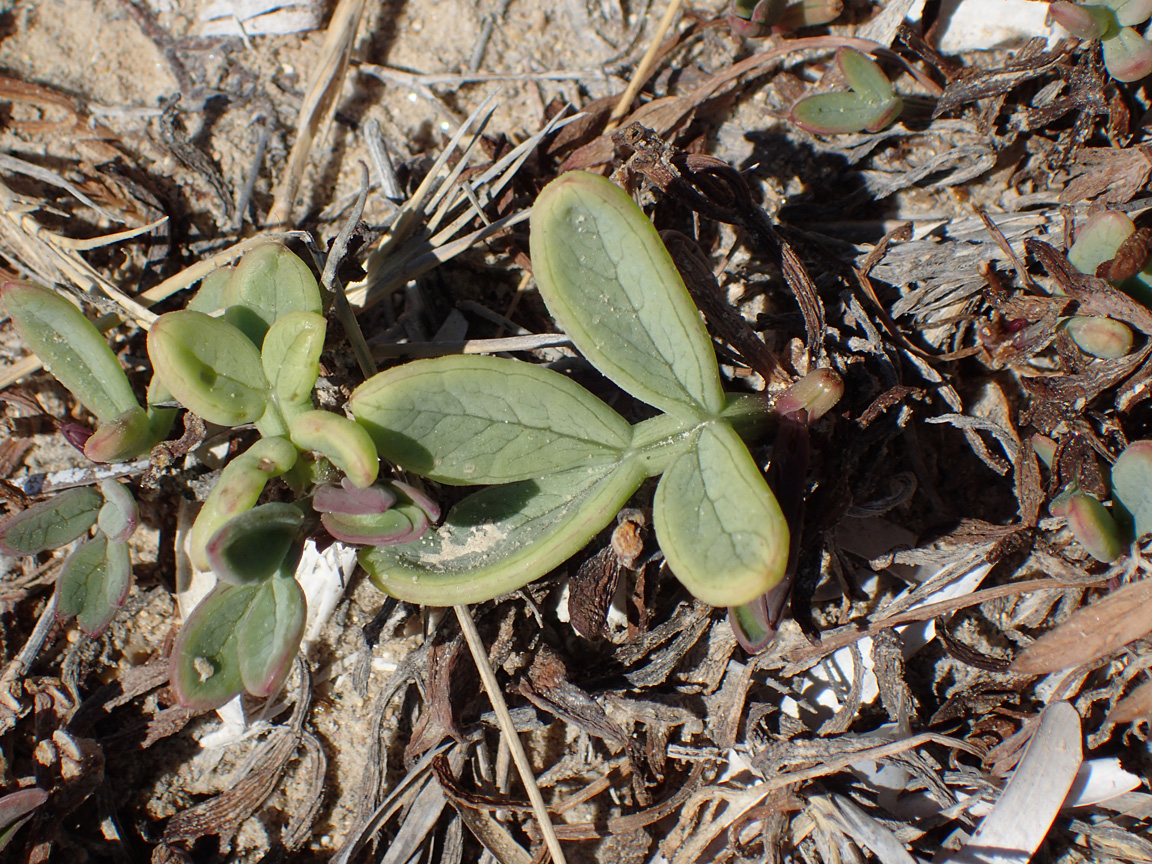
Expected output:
(79, 357)
(754, 18)
(557, 463)
(1127, 54)
(95, 578)
(869, 106)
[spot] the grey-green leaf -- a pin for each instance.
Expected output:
(71, 347)
(476, 420)
(1132, 484)
(864, 76)
(291, 359)
(253, 545)
(205, 664)
(119, 515)
(841, 113)
(268, 282)
(607, 278)
(269, 635)
(94, 583)
(209, 366)
(718, 523)
(51, 524)
(503, 537)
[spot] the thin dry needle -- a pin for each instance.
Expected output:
(480, 657)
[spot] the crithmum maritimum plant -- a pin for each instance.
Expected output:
(557, 462)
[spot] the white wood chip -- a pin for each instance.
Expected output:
(1021, 819)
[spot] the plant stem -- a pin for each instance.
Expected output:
(480, 656)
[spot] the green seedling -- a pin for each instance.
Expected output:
(869, 106)
(1107, 533)
(755, 624)
(1100, 337)
(558, 463)
(247, 350)
(754, 18)
(1132, 486)
(78, 356)
(1110, 247)
(1127, 54)
(95, 578)
(1092, 524)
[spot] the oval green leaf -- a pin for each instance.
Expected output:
(841, 113)
(718, 523)
(1132, 484)
(269, 635)
(268, 282)
(475, 420)
(119, 515)
(205, 670)
(863, 75)
(610, 283)
(503, 537)
(209, 366)
(253, 545)
(71, 348)
(51, 524)
(291, 359)
(94, 583)
(1128, 57)
(343, 442)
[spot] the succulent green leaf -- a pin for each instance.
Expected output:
(1130, 12)
(810, 13)
(1132, 484)
(1100, 337)
(51, 524)
(269, 635)
(94, 583)
(476, 420)
(1128, 57)
(815, 394)
(400, 524)
(380, 515)
(864, 76)
(209, 366)
(126, 436)
(253, 545)
(205, 663)
(268, 282)
(343, 442)
(607, 278)
(503, 537)
(1085, 22)
(210, 297)
(16, 809)
(1092, 524)
(840, 113)
(750, 623)
(291, 359)
(718, 523)
(1045, 448)
(237, 490)
(119, 515)
(1099, 239)
(71, 347)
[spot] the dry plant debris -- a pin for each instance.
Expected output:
(963, 670)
